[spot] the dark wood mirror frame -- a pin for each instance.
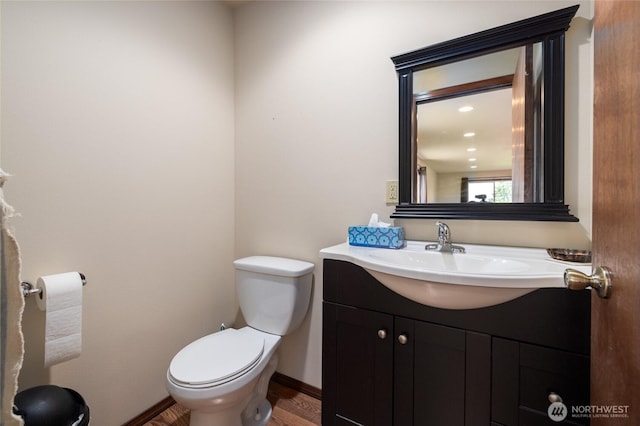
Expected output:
(548, 29)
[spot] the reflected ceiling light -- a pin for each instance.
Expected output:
(466, 108)
(472, 149)
(473, 167)
(472, 159)
(469, 135)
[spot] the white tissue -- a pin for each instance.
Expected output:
(61, 298)
(375, 222)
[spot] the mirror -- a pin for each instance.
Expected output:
(469, 138)
(503, 158)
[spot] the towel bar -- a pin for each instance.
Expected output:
(29, 289)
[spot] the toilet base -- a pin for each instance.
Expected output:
(262, 416)
(227, 418)
(223, 418)
(258, 410)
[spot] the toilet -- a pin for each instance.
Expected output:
(223, 377)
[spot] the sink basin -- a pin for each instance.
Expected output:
(483, 276)
(454, 262)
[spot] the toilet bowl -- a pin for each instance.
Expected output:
(223, 377)
(216, 376)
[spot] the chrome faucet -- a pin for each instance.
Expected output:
(444, 241)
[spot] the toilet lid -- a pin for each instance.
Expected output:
(216, 358)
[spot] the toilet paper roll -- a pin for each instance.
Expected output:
(61, 299)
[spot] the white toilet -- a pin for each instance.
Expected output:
(223, 377)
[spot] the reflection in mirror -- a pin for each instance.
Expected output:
(503, 159)
(454, 145)
(470, 120)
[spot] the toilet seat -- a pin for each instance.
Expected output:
(216, 359)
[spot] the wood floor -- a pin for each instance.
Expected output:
(290, 408)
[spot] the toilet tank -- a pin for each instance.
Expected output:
(273, 292)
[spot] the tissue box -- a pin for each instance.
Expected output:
(369, 236)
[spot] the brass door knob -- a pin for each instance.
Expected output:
(600, 280)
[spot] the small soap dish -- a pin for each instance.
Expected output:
(570, 255)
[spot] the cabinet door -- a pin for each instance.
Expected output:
(544, 371)
(357, 366)
(525, 375)
(448, 382)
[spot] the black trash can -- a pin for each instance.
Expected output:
(49, 405)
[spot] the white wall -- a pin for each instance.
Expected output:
(316, 130)
(117, 124)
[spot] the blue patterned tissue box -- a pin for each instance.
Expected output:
(369, 236)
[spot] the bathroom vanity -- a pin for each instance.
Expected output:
(388, 360)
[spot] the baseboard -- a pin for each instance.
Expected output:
(290, 382)
(149, 414)
(297, 385)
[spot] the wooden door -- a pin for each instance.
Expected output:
(522, 124)
(615, 322)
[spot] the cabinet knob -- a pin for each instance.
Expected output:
(554, 397)
(403, 339)
(382, 333)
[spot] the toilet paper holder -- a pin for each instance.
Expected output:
(29, 289)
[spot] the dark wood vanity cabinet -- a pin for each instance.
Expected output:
(390, 361)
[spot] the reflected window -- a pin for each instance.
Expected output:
(487, 190)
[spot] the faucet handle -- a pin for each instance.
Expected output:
(442, 225)
(444, 241)
(444, 234)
